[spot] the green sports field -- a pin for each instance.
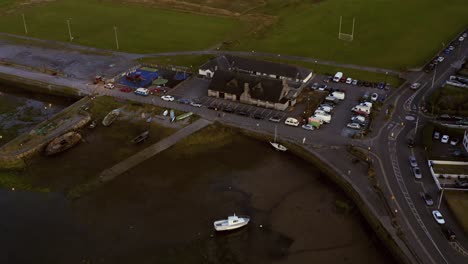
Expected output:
(140, 29)
(397, 34)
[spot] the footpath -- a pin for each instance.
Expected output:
(127, 164)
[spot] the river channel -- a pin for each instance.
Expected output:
(162, 210)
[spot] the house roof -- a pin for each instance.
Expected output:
(233, 63)
(264, 89)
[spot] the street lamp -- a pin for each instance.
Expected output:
(69, 30)
(24, 24)
(116, 38)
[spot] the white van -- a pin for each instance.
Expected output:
(368, 104)
(338, 77)
(326, 118)
(338, 95)
(290, 121)
(325, 108)
(142, 91)
(361, 109)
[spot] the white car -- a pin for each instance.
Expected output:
(308, 127)
(109, 86)
(290, 121)
(444, 139)
(167, 98)
(374, 97)
(349, 80)
(454, 141)
(440, 59)
(461, 38)
(438, 217)
(354, 82)
(195, 104)
(415, 86)
(354, 125)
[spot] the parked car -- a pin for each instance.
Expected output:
(308, 127)
(314, 86)
(343, 80)
(228, 110)
(444, 139)
(461, 38)
(374, 97)
(449, 234)
(387, 86)
(465, 35)
(415, 86)
(417, 173)
(381, 85)
(349, 80)
(412, 161)
(436, 135)
(167, 98)
(242, 113)
(427, 199)
(275, 119)
(183, 101)
(451, 48)
(109, 86)
(438, 217)
(290, 121)
(322, 87)
(354, 126)
(258, 116)
(454, 141)
(195, 104)
(440, 59)
(360, 83)
(126, 89)
(355, 82)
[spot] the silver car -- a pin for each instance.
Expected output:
(417, 173)
(413, 162)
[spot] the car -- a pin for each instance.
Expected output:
(314, 86)
(195, 104)
(354, 126)
(228, 110)
(183, 101)
(308, 127)
(168, 98)
(438, 217)
(387, 86)
(440, 59)
(461, 38)
(445, 139)
(275, 119)
(447, 51)
(109, 86)
(427, 199)
(412, 161)
(126, 90)
(242, 113)
(322, 87)
(417, 173)
(355, 82)
(327, 79)
(451, 48)
(349, 80)
(360, 83)
(449, 234)
(430, 67)
(436, 135)
(374, 97)
(291, 121)
(454, 141)
(258, 116)
(465, 35)
(415, 86)
(381, 85)
(343, 80)
(410, 143)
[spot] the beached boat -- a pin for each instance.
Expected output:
(142, 137)
(92, 124)
(62, 143)
(110, 117)
(233, 222)
(276, 145)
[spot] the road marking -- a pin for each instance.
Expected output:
(404, 190)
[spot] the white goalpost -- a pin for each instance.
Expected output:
(344, 36)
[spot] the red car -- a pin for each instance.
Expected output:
(126, 90)
(343, 79)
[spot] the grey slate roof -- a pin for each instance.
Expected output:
(260, 88)
(234, 63)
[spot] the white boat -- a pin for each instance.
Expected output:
(233, 222)
(276, 145)
(165, 113)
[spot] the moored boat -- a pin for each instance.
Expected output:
(92, 124)
(110, 117)
(62, 143)
(278, 146)
(233, 222)
(143, 136)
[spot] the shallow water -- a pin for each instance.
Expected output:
(163, 210)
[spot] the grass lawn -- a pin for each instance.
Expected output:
(449, 100)
(193, 61)
(140, 29)
(392, 34)
(458, 203)
(450, 169)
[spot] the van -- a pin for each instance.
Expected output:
(320, 111)
(368, 104)
(325, 108)
(326, 118)
(290, 121)
(331, 99)
(361, 109)
(338, 77)
(142, 91)
(338, 95)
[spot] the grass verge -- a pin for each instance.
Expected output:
(191, 61)
(458, 203)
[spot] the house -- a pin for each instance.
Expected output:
(250, 66)
(253, 90)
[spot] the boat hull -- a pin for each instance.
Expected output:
(278, 146)
(107, 121)
(219, 227)
(142, 137)
(62, 143)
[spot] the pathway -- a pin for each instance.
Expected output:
(152, 150)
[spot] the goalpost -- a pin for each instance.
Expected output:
(344, 36)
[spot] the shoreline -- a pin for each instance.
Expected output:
(366, 210)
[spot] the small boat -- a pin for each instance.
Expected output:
(92, 124)
(165, 112)
(110, 117)
(142, 137)
(233, 222)
(62, 143)
(276, 145)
